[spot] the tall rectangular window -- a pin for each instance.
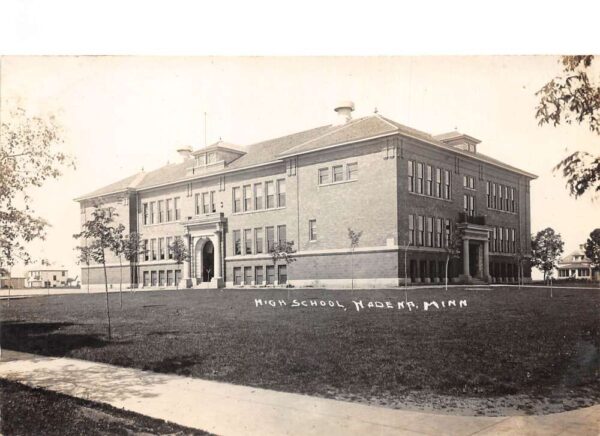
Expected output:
(420, 230)
(161, 211)
(500, 202)
(506, 199)
(146, 278)
(506, 240)
(438, 232)
(411, 229)
(258, 196)
(237, 202)
(429, 183)
(258, 240)
(448, 229)
(494, 239)
(161, 278)
(154, 278)
(447, 184)
(176, 206)
(488, 194)
(471, 205)
(512, 241)
(270, 275)
(438, 182)
(512, 199)
(352, 171)
(145, 208)
(153, 249)
(258, 275)
(281, 193)
(206, 202)
(170, 277)
(152, 212)
(248, 241)
(312, 230)
(494, 197)
(197, 204)
(411, 176)
(501, 240)
(168, 242)
(146, 253)
(323, 176)
(270, 233)
(429, 235)
(169, 211)
(237, 242)
(419, 187)
(213, 207)
(247, 198)
(281, 234)
(282, 274)
(247, 275)
(161, 249)
(337, 173)
(270, 192)
(237, 275)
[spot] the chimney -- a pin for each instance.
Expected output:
(185, 152)
(344, 110)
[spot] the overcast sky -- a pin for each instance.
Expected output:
(122, 114)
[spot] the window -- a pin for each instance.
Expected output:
(312, 230)
(338, 173)
(247, 275)
(471, 205)
(488, 195)
(247, 191)
(352, 171)
(469, 182)
(438, 232)
(281, 193)
(145, 207)
(448, 229)
(419, 187)
(170, 278)
(512, 199)
(411, 229)
(161, 249)
(197, 203)
(506, 241)
(506, 199)
(153, 249)
(270, 231)
(429, 236)
(213, 207)
(154, 278)
(168, 248)
(248, 241)
(258, 196)
(501, 240)
(63, 273)
(429, 183)
(237, 275)
(323, 176)
(177, 276)
(269, 190)
(237, 203)
(447, 184)
(270, 275)
(494, 239)
(169, 211)
(411, 176)
(211, 157)
(161, 278)
(237, 242)
(189, 190)
(146, 254)
(161, 212)
(201, 160)
(146, 278)
(282, 274)
(500, 202)
(258, 240)
(438, 183)
(512, 241)
(258, 275)
(54, 277)
(176, 206)
(152, 212)
(420, 230)
(281, 234)
(494, 198)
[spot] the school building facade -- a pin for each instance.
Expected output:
(407, 192)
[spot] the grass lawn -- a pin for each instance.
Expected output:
(28, 411)
(507, 351)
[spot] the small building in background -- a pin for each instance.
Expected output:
(47, 278)
(8, 281)
(576, 265)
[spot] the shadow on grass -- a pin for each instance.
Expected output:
(45, 338)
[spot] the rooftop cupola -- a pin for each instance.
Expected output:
(459, 140)
(344, 110)
(185, 152)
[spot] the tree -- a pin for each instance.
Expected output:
(354, 238)
(453, 249)
(180, 253)
(118, 248)
(546, 249)
(574, 97)
(100, 232)
(85, 257)
(133, 248)
(282, 251)
(592, 249)
(29, 155)
(520, 259)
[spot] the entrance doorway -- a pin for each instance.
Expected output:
(208, 261)
(474, 269)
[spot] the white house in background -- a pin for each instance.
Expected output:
(47, 278)
(575, 265)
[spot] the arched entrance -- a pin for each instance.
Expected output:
(208, 261)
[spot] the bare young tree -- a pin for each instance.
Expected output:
(180, 254)
(354, 238)
(118, 248)
(282, 251)
(133, 248)
(84, 257)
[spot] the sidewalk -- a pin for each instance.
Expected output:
(227, 409)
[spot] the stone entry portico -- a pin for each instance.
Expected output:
(475, 237)
(204, 268)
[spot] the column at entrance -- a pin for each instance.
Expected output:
(486, 261)
(217, 259)
(466, 272)
(186, 281)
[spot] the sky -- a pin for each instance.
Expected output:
(122, 114)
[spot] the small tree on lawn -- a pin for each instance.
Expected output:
(354, 238)
(134, 248)
(592, 249)
(84, 257)
(180, 254)
(282, 251)
(118, 248)
(546, 247)
(453, 250)
(99, 231)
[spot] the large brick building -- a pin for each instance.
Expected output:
(405, 190)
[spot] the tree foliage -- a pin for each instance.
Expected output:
(592, 248)
(574, 97)
(180, 253)
(29, 155)
(283, 251)
(546, 248)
